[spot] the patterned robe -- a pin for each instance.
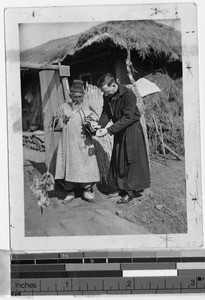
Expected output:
(76, 158)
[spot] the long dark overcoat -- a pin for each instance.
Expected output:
(129, 167)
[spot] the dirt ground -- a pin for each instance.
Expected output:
(160, 210)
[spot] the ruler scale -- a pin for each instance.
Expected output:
(95, 273)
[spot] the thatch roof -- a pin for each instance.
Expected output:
(147, 37)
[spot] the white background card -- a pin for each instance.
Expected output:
(4, 220)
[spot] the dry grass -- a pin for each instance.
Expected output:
(147, 37)
(167, 107)
(103, 146)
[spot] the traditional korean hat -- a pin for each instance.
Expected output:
(77, 86)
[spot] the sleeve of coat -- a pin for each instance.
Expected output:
(128, 110)
(104, 118)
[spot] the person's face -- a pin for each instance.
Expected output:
(109, 90)
(76, 97)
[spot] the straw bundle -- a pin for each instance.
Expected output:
(166, 108)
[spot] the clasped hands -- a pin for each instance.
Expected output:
(100, 132)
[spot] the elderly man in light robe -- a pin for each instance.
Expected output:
(76, 158)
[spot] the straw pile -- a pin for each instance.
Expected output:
(103, 146)
(165, 109)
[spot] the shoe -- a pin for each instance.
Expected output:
(115, 194)
(138, 194)
(89, 195)
(68, 198)
(126, 198)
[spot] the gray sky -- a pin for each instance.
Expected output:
(35, 34)
(32, 35)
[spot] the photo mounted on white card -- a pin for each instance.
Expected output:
(75, 185)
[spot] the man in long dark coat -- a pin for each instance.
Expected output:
(129, 167)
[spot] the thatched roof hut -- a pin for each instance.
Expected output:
(146, 37)
(151, 44)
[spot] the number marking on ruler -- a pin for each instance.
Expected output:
(64, 274)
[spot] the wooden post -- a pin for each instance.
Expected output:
(64, 74)
(140, 103)
(52, 97)
(27, 65)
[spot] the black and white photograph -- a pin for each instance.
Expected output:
(103, 127)
(99, 181)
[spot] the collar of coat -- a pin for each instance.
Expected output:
(121, 91)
